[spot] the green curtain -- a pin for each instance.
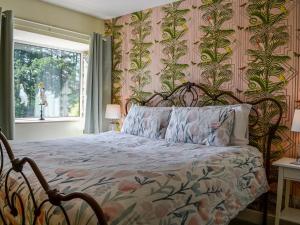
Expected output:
(98, 90)
(7, 108)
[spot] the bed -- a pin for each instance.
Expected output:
(116, 178)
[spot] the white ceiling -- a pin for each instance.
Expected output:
(107, 9)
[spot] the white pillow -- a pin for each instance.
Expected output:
(151, 122)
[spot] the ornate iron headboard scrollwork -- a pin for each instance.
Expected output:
(54, 197)
(265, 115)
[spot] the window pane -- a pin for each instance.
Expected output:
(58, 70)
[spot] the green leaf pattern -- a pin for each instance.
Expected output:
(266, 69)
(215, 46)
(113, 29)
(140, 57)
(174, 27)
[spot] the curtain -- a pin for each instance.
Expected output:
(7, 108)
(98, 90)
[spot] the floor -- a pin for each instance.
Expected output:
(239, 222)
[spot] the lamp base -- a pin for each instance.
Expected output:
(297, 162)
(42, 112)
(113, 126)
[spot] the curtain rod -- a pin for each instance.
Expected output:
(51, 27)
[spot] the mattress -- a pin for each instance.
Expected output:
(140, 181)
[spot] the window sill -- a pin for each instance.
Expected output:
(47, 120)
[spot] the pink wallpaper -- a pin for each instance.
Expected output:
(239, 59)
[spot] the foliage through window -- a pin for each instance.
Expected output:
(58, 70)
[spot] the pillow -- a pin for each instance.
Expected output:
(240, 133)
(204, 125)
(151, 122)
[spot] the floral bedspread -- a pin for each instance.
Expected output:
(139, 181)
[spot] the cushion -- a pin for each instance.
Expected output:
(201, 125)
(151, 122)
(240, 133)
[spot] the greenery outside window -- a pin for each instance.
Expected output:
(61, 73)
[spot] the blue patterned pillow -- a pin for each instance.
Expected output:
(204, 125)
(151, 122)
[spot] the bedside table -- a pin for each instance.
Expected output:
(287, 172)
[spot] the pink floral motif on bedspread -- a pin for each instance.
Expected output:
(139, 181)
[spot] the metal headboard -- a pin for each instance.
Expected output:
(265, 115)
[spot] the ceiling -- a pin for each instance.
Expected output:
(107, 9)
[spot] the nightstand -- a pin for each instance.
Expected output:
(287, 172)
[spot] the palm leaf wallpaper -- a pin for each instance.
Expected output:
(140, 57)
(250, 47)
(114, 30)
(215, 47)
(266, 73)
(174, 27)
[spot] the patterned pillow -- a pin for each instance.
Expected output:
(240, 132)
(151, 122)
(204, 125)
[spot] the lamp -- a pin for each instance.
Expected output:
(296, 128)
(113, 113)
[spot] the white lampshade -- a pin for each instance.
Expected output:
(296, 121)
(113, 112)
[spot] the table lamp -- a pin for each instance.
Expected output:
(113, 113)
(296, 128)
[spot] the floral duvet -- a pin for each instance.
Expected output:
(139, 181)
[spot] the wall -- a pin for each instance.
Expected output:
(47, 130)
(160, 48)
(40, 12)
(177, 45)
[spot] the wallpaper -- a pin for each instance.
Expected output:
(250, 47)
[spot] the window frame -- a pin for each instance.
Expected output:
(26, 120)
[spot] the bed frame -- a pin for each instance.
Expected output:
(265, 118)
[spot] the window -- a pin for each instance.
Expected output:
(58, 71)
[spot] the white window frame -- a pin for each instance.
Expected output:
(82, 83)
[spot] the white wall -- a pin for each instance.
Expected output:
(41, 12)
(47, 130)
